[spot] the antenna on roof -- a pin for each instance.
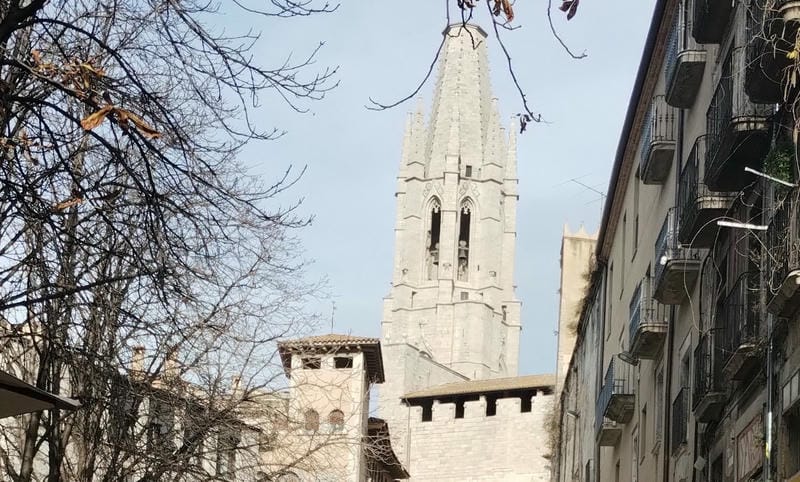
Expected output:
(333, 310)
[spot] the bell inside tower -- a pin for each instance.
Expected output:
(463, 242)
(432, 245)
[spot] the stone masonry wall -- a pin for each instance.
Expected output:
(508, 446)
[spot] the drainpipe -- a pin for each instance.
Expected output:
(599, 363)
(672, 311)
(770, 360)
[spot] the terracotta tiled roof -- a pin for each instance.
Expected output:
(335, 343)
(331, 339)
(484, 386)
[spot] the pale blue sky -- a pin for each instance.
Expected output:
(383, 48)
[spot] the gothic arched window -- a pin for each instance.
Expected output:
(433, 236)
(464, 242)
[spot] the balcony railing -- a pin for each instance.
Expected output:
(684, 62)
(680, 419)
(742, 327)
(658, 141)
(738, 131)
(698, 205)
(676, 267)
(648, 322)
(767, 45)
(783, 262)
(710, 20)
(708, 396)
(616, 399)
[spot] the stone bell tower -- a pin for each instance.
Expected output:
(452, 313)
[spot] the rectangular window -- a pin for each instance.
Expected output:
(227, 444)
(635, 458)
(643, 440)
(464, 295)
(266, 442)
(686, 367)
(341, 362)
(311, 362)
(792, 444)
(468, 171)
(658, 396)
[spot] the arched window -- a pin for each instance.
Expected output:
(433, 236)
(464, 243)
(312, 420)
(336, 420)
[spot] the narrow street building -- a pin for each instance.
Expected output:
(685, 365)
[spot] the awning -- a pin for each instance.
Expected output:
(18, 397)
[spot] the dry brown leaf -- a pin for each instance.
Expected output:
(95, 119)
(508, 10)
(147, 131)
(504, 7)
(98, 71)
(67, 204)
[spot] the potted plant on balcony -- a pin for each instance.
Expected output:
(779, 162)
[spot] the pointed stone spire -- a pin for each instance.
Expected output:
(494, 145)
(407, 147)
(415, 162)
(453, 153)
(511, 157)
(463, 96)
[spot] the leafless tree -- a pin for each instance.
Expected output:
(500, 14)
(126, 219)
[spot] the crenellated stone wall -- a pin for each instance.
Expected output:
(509, 446)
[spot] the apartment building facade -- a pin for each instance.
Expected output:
(685, 365)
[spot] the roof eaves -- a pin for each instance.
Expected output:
(630, 116)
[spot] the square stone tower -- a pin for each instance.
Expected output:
(452, 314)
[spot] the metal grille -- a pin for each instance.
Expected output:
(740, 319)
(680, 40)
(707, 368)
(659, 126)
(691, 188)
(680, 419)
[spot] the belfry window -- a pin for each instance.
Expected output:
(432, 244)
(463, 242)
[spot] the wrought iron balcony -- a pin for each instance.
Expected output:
(684, 61)
(708, 396)
(680, 420)
(615, 403)
(737, 129)
(616, 399)
(710, 19)
(769, 40)
(783, 263)
(742, 327)
(648, 323)
(658, 141)
(676, 267)
(698, 205)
